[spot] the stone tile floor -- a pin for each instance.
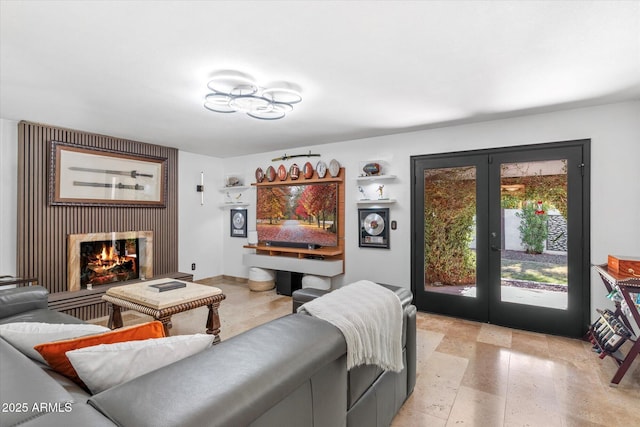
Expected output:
(470, 373)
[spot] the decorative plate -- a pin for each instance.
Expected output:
(294, 171)
(307, 170)
(259, 175)
(321, 168)
(334, 168)
(271, 174)
(282, 173)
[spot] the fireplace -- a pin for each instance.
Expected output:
(108, 261)
(105, 258)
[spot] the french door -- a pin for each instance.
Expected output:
(502, 236)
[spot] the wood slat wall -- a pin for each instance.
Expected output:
(43, 229)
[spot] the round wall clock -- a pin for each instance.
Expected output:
(321, 168)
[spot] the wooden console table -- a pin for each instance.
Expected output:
(626, 286)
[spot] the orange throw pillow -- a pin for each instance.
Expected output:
(54, 352)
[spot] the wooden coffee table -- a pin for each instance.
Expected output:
(162, 305)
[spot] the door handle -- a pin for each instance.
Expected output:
(495, 248)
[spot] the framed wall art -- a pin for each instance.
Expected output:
(238, 219)
(94, 177)
(374, 228)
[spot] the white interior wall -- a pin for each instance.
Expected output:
(614, 131)
(200, 226)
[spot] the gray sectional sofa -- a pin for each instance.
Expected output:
(288, 372)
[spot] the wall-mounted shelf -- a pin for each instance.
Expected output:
(302, 181)
(375, 178)
(233, 205)
(367, 182)
(233, 191)
(325, 261)
(376, 201)
(234, 188)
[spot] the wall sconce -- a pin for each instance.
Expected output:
(200, 188)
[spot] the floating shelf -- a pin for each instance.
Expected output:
(233, 205)
(237, 187)
(376, 202)
(375, 178)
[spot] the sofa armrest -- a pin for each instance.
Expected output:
(302, 296)
(19, 300)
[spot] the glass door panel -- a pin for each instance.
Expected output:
(450, 267)
(534, 252)
(450, 231)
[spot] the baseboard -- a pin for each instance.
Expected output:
(223, 278)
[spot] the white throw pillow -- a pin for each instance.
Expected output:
(106, 365)
(25, 335)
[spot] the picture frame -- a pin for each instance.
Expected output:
(374, 227)
(238, 222)
(88, 176)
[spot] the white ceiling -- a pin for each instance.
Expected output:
(139, 69)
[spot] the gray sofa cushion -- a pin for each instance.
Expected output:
(246, 376)
(24, 383)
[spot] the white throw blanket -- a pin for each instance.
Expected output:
(370, 318)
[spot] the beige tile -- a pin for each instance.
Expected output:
(531, 400)
(529, 364)
(488, 369)
(477, 408)
(409, 418)
(530, 343)
(496, 335)
(437, 384)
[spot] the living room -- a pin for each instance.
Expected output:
(608, 119)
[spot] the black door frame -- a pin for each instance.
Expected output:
(581, 272)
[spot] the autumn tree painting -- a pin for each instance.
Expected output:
(297, 213)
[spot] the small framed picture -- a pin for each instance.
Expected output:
(238, 222)
(374, 228)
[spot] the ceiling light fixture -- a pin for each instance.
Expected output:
(233, 91)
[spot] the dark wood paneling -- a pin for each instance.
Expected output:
(43, 229)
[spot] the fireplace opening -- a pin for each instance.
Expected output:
(108, 261)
